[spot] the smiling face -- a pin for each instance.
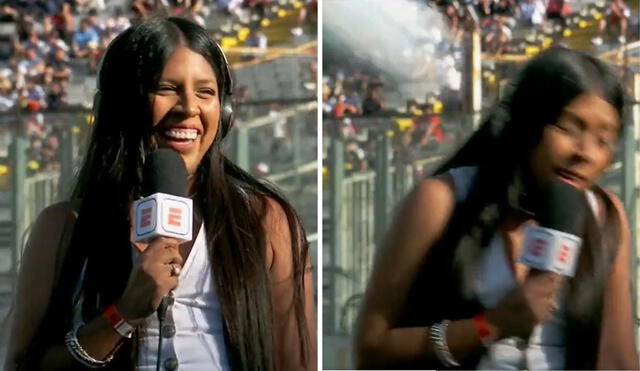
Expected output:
(580, 145)
(185, 106)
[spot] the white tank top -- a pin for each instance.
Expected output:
(546, 347)
(193, 330)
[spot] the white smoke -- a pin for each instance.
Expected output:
(400, 37)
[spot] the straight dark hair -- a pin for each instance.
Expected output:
(500, 150)
(233, 203)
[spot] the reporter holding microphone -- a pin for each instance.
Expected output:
(511, 256)
(229, 275)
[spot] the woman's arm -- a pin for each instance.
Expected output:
(40, 267)
(35, 280)
(617, 347)
(286, 341)
(419, 224)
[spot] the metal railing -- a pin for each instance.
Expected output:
(31, 190)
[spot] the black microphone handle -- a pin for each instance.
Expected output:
(162, 308)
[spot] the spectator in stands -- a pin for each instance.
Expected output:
(94, 22)
(359, 82)
(451, 87)
(343, 108)
(141, 9)
(32, 65)
(26, 23)
(64, 22)
(34, 154)
(35, 124)
(34, 42)
(281, 143)
(497, 39)
(557, 10)
(352, 99)
(58, 69)
(33, 96)
(338, 83)
(8, 14)
(88, 5)
(12, 72)
(355, 156)
(119, 22)
(506, 9)
(8, 96)
(373, 102)
(197, 12)
(56, 96)
(328, 101)
(256, 38)
(617, 15)
(310, 7)
(532, 13)
(85, 40)
(453, 20)
(54, 42)
(485, 11)
(50, 153)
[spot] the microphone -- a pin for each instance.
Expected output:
(554, 246)
(165, 211)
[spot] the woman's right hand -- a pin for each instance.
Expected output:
(526, 306)
(150, 280)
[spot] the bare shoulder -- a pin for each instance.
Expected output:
(607, 195)
(57, 213)
(274, 217)
(49, 226)
(436, 189)
(429, 206)
(615, 200)
(621, 216)
(279, 240)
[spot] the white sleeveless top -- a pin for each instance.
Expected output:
(545, 349)
(193, 330)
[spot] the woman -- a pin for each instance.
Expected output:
(247, 301)
(449, 273)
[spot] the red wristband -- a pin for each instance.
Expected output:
(483, 329)
(117, 322)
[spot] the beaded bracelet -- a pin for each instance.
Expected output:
(438, 336)
(79, 354)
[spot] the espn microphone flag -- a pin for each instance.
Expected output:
(165, 212)
(554, 246)
(551, 250)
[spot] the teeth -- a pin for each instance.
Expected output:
(189, 134)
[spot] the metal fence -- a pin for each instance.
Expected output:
(30, 187)
(357, 205)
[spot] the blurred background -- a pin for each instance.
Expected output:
(405, 82)
(49, 53)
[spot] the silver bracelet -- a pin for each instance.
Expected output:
(79, 354)
(438, 336)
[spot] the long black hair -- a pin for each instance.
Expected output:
(500, 149)
(233, 205)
